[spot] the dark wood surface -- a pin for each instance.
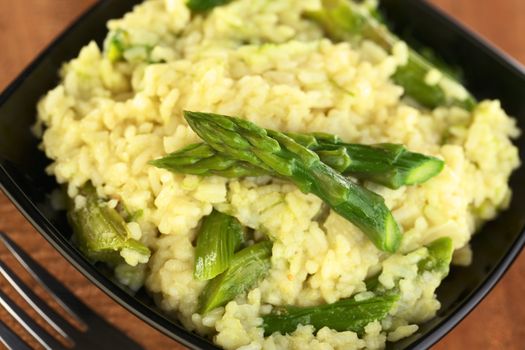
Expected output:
(27, 26)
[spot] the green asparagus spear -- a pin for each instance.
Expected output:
(346, 20)
(205, 5)
(101, 233)
(247, 267)
(344, 315)
(201, 159)
(279, 154)
(407, 169)
(219, 237)
(387, 164)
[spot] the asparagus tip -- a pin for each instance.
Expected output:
(156, 162)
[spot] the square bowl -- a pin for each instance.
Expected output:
(488, 73)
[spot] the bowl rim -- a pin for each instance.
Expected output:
(156, 319)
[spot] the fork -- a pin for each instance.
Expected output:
(94, 333)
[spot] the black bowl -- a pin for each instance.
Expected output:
(488, 74)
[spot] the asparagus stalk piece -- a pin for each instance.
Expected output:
(247, 267)
(118, 47)
(344, 315)
(390, 165)
(219, 237)
(346, 20)
(439, 257)
(438, 261)
(279, 154)
(115, 45)
(204, 5)
(101, 233)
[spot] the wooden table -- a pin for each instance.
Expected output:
(27, 26)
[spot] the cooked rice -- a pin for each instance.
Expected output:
(262, 61)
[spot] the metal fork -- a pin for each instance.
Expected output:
(95, 332)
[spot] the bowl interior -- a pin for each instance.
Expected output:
(487, 73)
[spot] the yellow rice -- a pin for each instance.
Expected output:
(262, 61)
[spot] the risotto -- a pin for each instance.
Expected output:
(114, 111)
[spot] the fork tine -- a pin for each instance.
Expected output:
(47, 313)
(10, 339)
(64, 297)
(29, 325)
(98, 330)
